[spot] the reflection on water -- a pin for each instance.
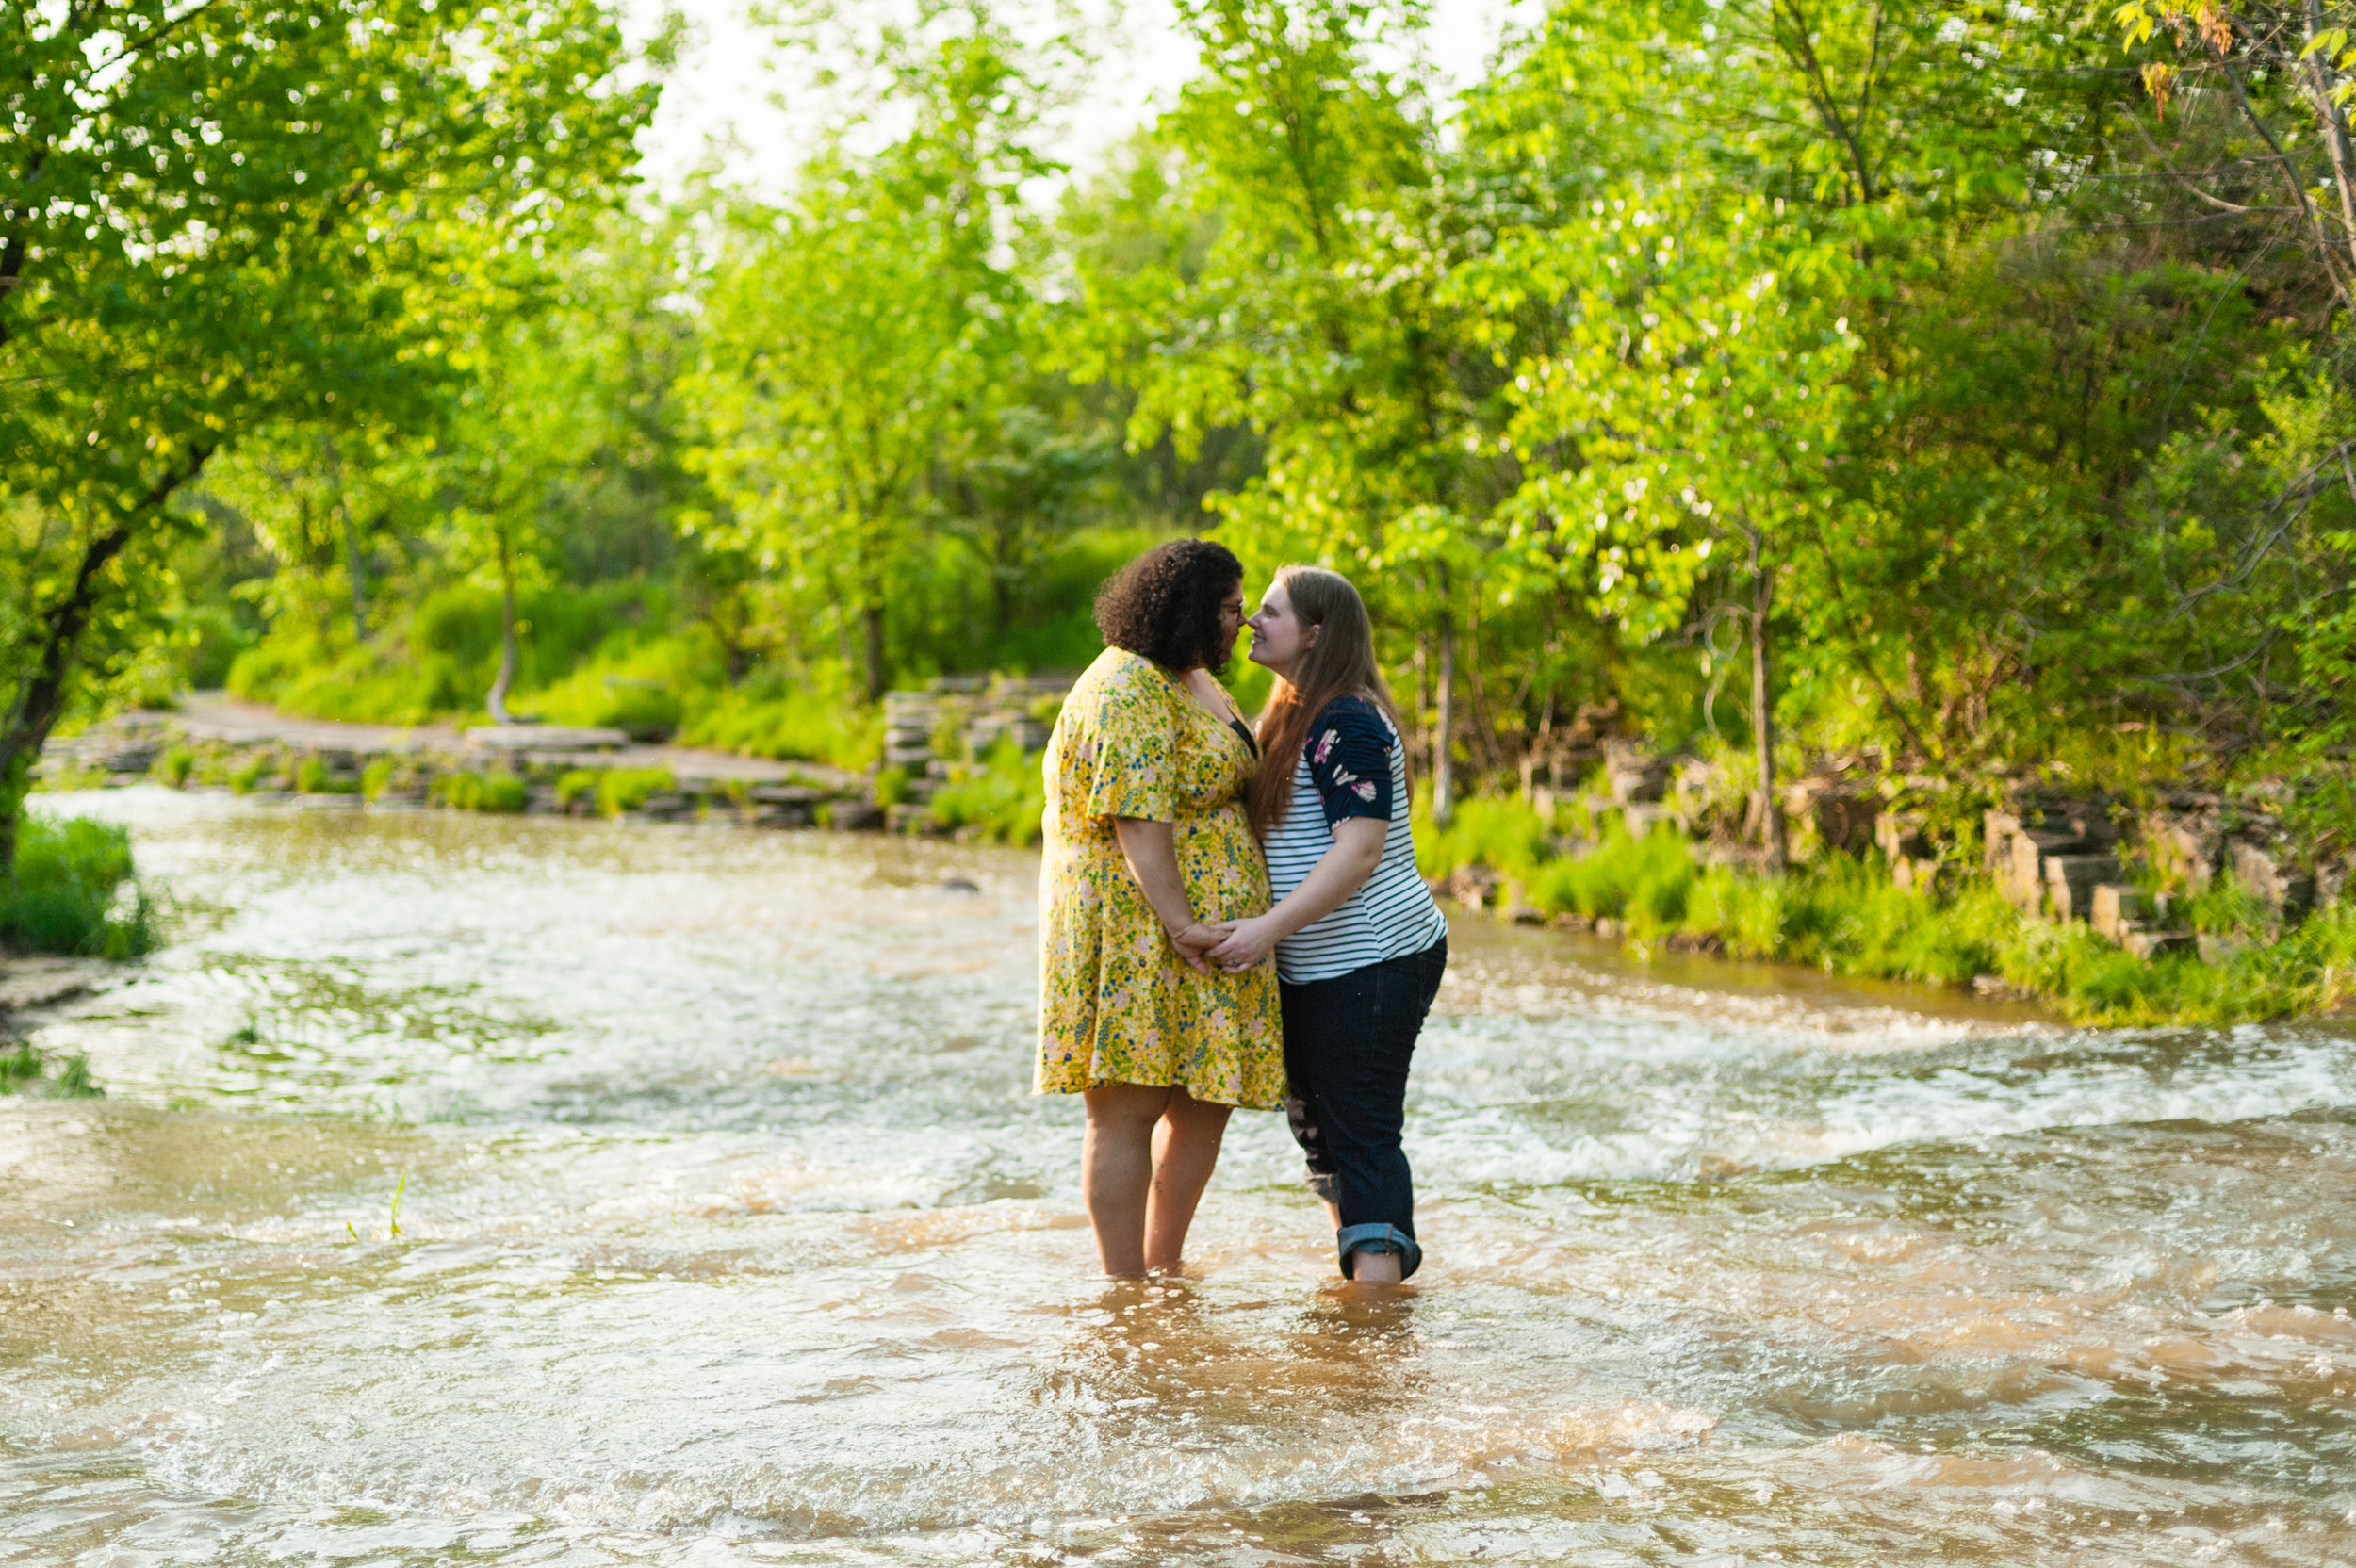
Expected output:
(731, 1233)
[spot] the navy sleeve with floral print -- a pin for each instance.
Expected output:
(1348, 752)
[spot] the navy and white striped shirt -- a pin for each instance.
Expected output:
(1351, 765)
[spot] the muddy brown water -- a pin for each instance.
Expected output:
(731, 1233)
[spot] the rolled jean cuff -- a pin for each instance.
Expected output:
(1378, 1238)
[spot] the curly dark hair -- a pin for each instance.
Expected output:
(1165, 604)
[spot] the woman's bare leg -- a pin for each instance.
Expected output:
(1116, 1170)
(1186, 1149)
(1367, 1268)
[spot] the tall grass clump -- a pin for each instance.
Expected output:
(621, 790)
(1647, 882)
(496, 790)
(1503, 832)
(787, 723)
(1005, 800)
(23, 1069)
(75, 892)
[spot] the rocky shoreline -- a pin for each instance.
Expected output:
(2129, 867)
(932, 737)
(537, 769)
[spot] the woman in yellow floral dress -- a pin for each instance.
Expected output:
(1146, 851)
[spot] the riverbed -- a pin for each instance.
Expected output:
(499, 1190)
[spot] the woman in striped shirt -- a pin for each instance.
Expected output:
(1359, 944)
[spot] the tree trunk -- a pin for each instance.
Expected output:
(1444, 765)
(352, 571)
(506, 681)
(2335, 131)
(1762, 715)
(40, 699)
(351, 541)
(873, 616)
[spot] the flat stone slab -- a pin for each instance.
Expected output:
(546, 737)
(30, 983)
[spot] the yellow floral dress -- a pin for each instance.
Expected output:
(1117, 1004)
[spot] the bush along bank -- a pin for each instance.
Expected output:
(76, 893)
(2157, 908)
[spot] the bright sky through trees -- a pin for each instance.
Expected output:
(721, 96)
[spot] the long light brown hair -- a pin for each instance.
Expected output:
(1339, 663)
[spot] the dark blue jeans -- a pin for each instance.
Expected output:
(1348, 1042)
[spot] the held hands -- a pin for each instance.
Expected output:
(1193, 942)
(1243, 943)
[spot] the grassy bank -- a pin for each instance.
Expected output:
(1844, 915)
(76, 893)
(1003, 799)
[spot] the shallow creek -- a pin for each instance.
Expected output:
(729, 1232)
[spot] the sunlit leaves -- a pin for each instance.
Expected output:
(223, 219)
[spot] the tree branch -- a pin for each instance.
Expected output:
(1801, 50)
(2290, 177)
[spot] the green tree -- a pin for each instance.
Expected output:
(1313, 314)
(222, 219)
(856, 341)
(1700, 395)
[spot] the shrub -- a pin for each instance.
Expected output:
(313, 778)
(1004, 800)
(18, 1066)
(1646, 881)
(574, 785)
(246, 775)
(1502, 832)
(789, 723)
(495, 790)
(375, 776)
(621, 790)
(174, 765)
(891, 786)
(65, 896)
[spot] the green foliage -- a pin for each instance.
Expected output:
(495, 789)
(173, 765)
(1843, 915)
(1004, 800)
(23, 1069)
(314, 778)
(442, 659)
(75, 892)
(376, 776)
(1646, 882)
(1909, 346)
(74, 1081)
(579, 784)
(791, 723)
(250, 774)
(231, 220)
(891, 786)
(1502, 832)
(621, 790)
(864, 331)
